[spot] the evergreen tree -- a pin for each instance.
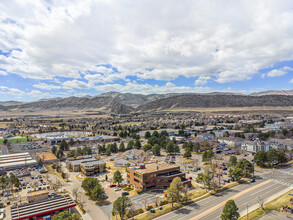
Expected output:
(230, 211)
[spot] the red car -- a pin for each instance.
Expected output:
(112, 159)
(112, 185)
(190, 178)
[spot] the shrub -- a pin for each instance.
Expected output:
(149, 207)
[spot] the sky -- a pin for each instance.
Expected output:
(53, 48)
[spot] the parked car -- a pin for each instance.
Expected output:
(125, 193)
(20, 179)
(104, 196)
(28, 185)
(252, 180)
(117, 189)
(190, 178)
(112, 185)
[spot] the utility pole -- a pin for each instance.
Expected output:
(247, 211)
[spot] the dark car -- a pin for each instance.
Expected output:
(125, 193)
(252, 180)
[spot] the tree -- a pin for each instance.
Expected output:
(187, 154)
(117, 177)
(75, 192)
(207, 156)
(5, 141)
(204, 178)
(186, 194)
(71, 141)
(71, 153)
(65, 215)
(63, 145)
(130, 145)
(156, 149)
(236, 173)
(170, 147)
(232, 161)
(282, 157)
(137, 144)
(14, 180)
(174, 191)
(147, 147)
(176, 149)
(108, 152)
(230, 211)
(59, 154)
(121, 205)
(147, 135)
(54, 149)
(260, 158)
(155, 134)
(246, 166)
(261, 202)
(272, 156)
(122, 146)
(196, 147)
(98, 192)
(89, 183)
(106, 177)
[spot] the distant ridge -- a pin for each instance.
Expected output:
(273, 92)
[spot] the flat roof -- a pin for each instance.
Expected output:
(87, 161)
(47, 156)
(37, 192)
(41, 207)
(154, 167)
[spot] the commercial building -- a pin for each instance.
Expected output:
(154, 176)
(87, 165)
(43, 208)
(231, 141)
(14, 161)
(47, 157)
(52, 140)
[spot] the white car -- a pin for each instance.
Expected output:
(117, 189)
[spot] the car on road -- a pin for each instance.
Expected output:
(125, 193)
(112, 185)
(104, 196)
(28, 185)
(252, 180)
(117, 189)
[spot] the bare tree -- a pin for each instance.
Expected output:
(131, 211)
(186, 194)
(260, 201)
(75, 192)
(145, 202)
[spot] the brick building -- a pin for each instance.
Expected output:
(154, 176)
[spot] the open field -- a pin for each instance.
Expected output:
(14, 140)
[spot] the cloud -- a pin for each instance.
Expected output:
(291, 81)
(279, 72)
(226, 40)
(45, 86)
(3, 73)
(75, 84)
(202, 80)
(10, 91)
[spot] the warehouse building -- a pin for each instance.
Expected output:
(14, 161)
(47, 157)
(44, 208)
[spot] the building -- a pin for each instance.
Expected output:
(14, 161)
(52, 140)
(122, 163)
(254, 146)
(231, 141)
(44, 208)
(87, 165)
(47, 157)
(154, 176)
(37, 195)
(205, 136)
(281, 143)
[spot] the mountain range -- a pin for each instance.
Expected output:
(123, 103)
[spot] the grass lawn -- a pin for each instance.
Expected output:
(14, 140)
(198, 193)
(167, 208)
(275, 204)
(113, 169)
(186, 160)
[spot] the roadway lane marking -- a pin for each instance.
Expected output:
(233, 198)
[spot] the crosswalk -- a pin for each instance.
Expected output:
(278, 181)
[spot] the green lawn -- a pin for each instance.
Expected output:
(14, 140)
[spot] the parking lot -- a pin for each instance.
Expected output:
(28, 147)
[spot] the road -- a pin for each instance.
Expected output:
(4, 150)
(138, 201)
(280, 181)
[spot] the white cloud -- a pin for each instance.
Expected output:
(279, 72)
(291, 81)
(45, 86)
(3, 73)
(4, 90)
(202, 80)
(226, 40)
(75, 84)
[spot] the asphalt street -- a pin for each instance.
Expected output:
(281, 180)
(4, 150)
(138, 201)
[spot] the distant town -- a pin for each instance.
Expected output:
(145, 166)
